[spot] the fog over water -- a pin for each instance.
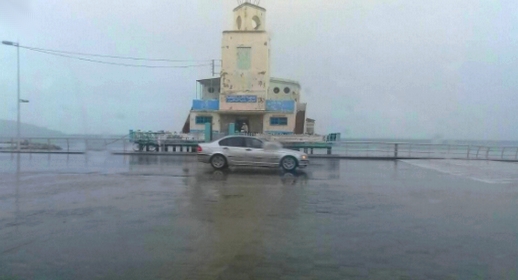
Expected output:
(368, 69)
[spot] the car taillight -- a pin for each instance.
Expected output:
(199, 149)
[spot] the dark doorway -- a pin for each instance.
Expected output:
(300, 119)
(239, 123)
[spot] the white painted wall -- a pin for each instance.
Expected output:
(256, 79)
(253, 81)
(206, 95)
(293, 94)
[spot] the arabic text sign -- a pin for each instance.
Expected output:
(241, 99)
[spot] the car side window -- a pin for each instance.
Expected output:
(232, 142)
(254, 143)
(223, 142)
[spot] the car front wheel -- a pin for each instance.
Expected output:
(289, 163)
(218, 162)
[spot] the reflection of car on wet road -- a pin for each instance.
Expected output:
(286, 178)
(250, 151)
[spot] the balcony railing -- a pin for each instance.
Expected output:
(205, 105)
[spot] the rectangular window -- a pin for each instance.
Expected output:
(244, 59)
(278, 121)
(203, 119)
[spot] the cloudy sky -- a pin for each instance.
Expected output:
(368, 68)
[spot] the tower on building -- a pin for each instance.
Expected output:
(245, 93)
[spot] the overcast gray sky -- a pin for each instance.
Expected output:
(413, 68)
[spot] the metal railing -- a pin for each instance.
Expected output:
(423, 150)
(350, 149)
(64, 145)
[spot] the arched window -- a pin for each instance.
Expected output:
(256, 22)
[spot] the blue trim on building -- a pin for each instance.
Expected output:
(205, 105)
(280, 105)
(203, 119)
(281, 121)
(278, 132)
(202, 130)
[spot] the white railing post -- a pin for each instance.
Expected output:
(503, 150)
(468, 152)
(487, 152)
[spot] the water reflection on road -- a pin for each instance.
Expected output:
(169, 217)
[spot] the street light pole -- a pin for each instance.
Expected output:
(18, 99)
(17, 45)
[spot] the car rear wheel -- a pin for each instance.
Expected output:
(289, 163)
(218, 162)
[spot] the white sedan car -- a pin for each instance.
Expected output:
(249, 151)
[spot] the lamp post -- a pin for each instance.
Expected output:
(18, 100)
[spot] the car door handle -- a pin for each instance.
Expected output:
(249, 150)
(225, 148)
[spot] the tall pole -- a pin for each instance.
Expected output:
(18, 100)
(18, 96)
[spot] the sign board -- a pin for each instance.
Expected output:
(241, 98)
(280, 105)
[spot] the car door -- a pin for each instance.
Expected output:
(234, 149)
(258, 155)
(272, 155)
(254, 152)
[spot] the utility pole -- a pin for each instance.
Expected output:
(18, 100)
(213, 66)
(18, 96)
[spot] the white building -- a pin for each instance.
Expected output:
(245, 93)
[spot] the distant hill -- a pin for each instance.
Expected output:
(8, 129)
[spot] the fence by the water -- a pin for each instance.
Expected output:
(345, 149)
(423, 150)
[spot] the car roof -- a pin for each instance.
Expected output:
(235, 136)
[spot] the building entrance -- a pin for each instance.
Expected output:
(242, 124)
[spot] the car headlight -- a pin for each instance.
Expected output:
(304, 157)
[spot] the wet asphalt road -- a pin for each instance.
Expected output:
(165, 217)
